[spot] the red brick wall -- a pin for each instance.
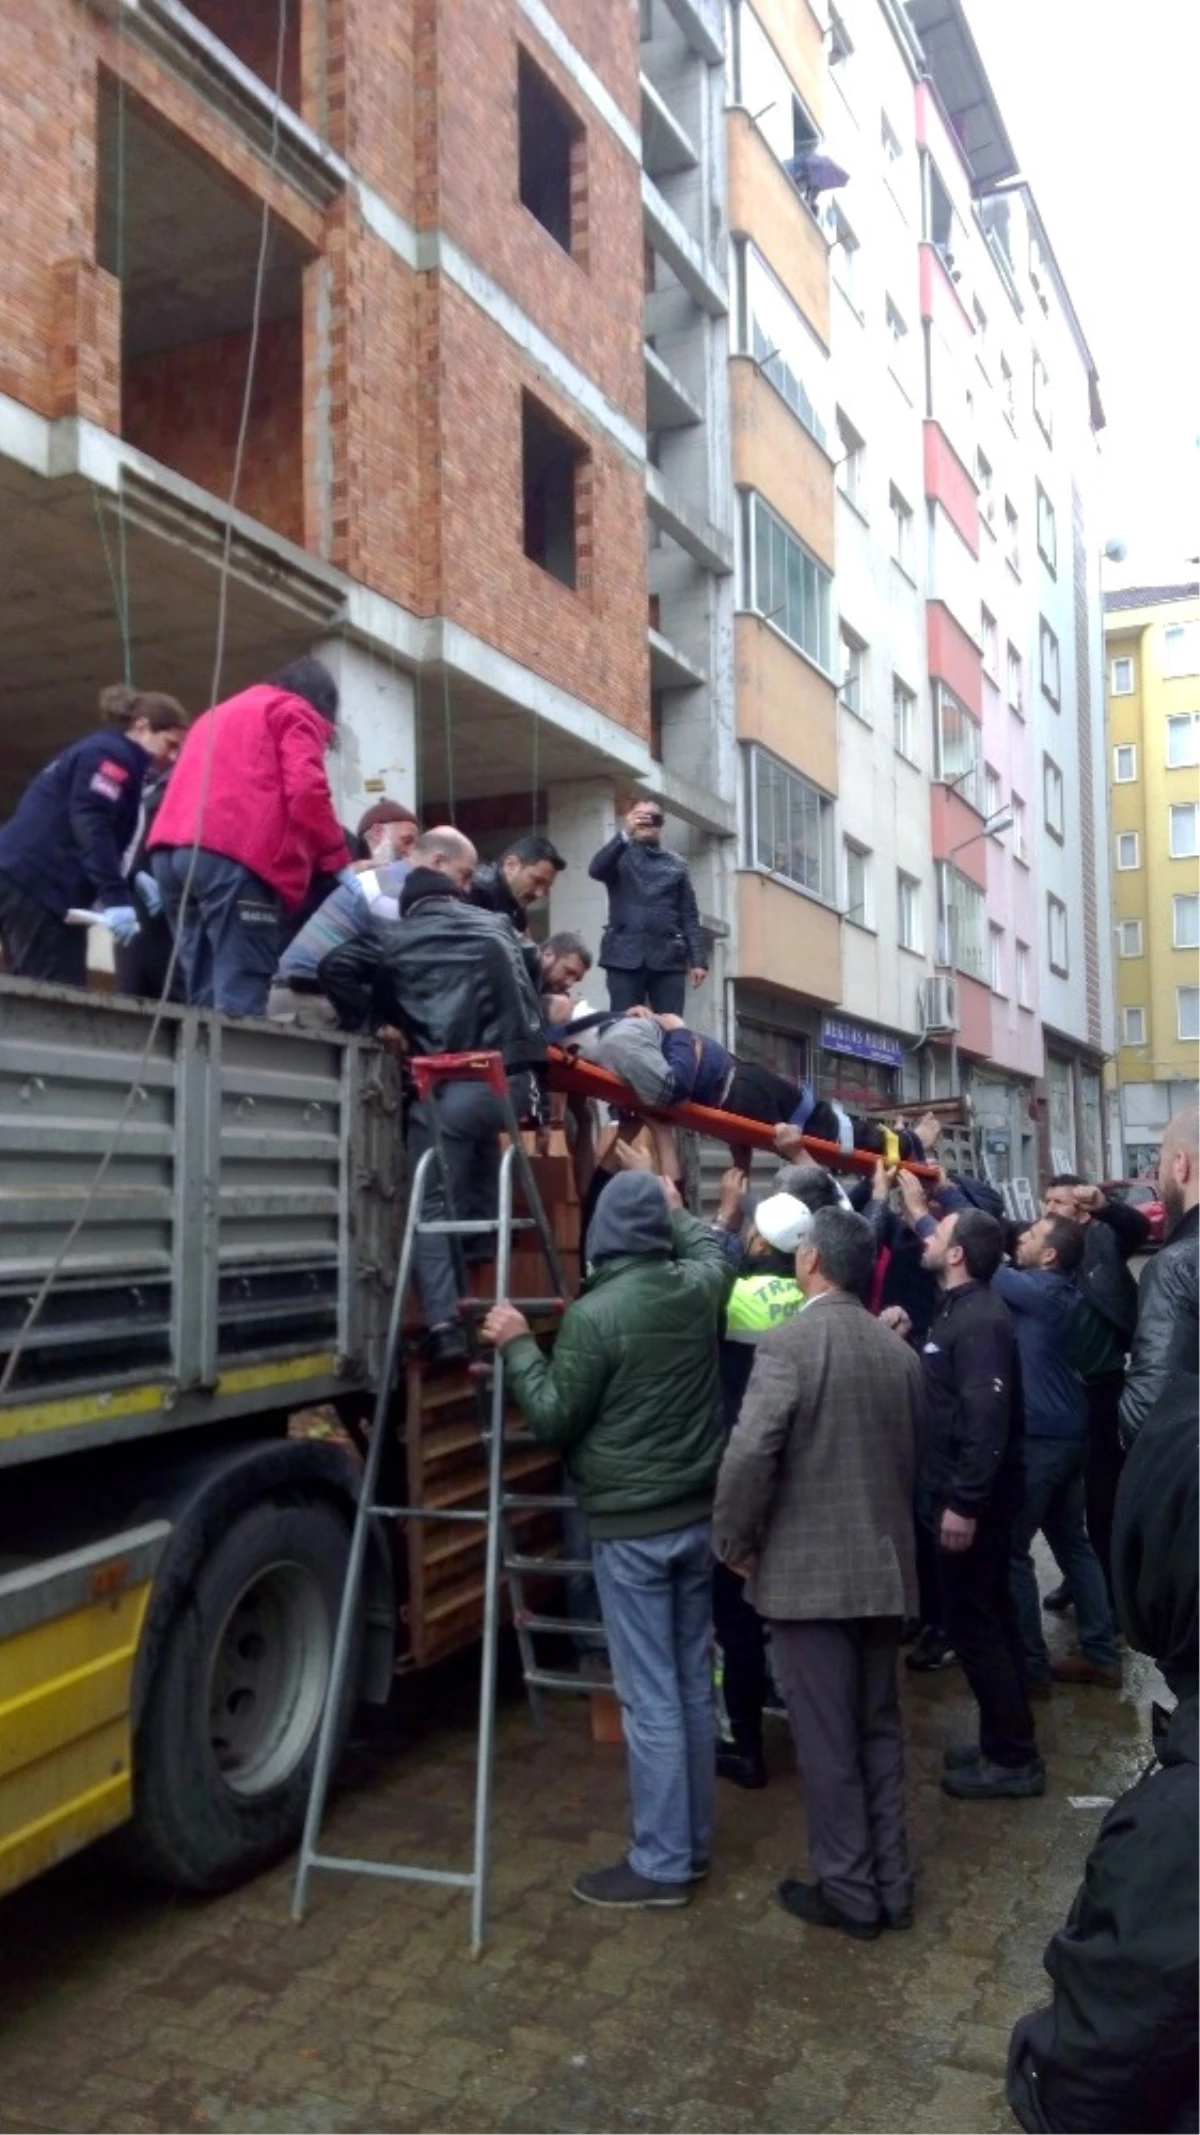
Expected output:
(253, 33)
(592, 640)
(183, 406)
(46, 177)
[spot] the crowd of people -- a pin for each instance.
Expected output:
(820, 1426)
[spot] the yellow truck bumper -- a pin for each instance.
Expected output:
(69, 1633)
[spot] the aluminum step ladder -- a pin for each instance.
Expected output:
(502, 1556)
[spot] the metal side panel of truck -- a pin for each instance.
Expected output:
(171, 1558)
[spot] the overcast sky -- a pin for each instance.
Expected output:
(1101, 105)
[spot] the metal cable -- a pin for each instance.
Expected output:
(38, 1302)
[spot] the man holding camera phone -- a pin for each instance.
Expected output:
(652, 944)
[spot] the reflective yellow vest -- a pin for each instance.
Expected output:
(759, 1302)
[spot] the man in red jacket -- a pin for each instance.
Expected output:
(247, 821)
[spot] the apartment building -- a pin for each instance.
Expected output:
(1152, 648)
(437, 240)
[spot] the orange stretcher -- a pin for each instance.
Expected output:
(577, 1078)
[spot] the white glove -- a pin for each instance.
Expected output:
(122, 921)
(149, 892)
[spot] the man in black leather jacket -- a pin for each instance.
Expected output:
(1112, 1233)
(453, 979)
(1116, 2048)
(652, 941)
(1165, 1340)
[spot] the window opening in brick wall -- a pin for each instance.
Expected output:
(550, 142)
(553, 464)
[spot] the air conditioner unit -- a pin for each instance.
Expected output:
(937, 1005)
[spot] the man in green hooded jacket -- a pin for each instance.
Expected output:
(632, 1395)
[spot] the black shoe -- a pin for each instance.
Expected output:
(773, 1703)
(622, 1886)
(960, 1756)
(910, 1630)
(700, 1871)
(984, 1781)
(447, 1344)
(1059, 1601)
(932, 1651)
(807, 1901)
(904, 1918)
(746, 1768)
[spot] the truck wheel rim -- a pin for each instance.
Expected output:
(269, 1674)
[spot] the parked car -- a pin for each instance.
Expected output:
(1141, 1194)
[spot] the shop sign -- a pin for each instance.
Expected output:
(838, 1036)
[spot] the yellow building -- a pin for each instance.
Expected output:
(1152, 643)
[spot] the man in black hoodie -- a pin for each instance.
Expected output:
(453, 979)
(1116, 2051)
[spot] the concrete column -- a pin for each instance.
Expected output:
(582, 818)
(376, 753)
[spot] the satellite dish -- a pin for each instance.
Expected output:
(1116, 550)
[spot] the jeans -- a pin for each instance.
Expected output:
(663, 991)
(37, 944)
(980, 1621)
(583, 1602)
(1054, 1503)
(843, 1701)
(471, 1121)
(656, 1599)
(230, 934)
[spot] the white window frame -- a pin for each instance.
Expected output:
(1192, 1033)
(1185, 638)
(799, 792)
(851, 468)
(1179, 812)
(1042, 406)
(967, 779)
(1189, 898)
(1015, 673)
(1021, 970)
(1128, 777)
(843, 245)
(985, 483)
(993, 790)
(1127, 841)
(1058, 936)
(989, 632)
(995, 957)
(858, 914)
(1189, 722)
(1053, 798)
(962, 922)
(904, 720)
(805, 586)
(1130, 931)
(890, 142)
(841, 47)
(909, 930)
(1012, 537)
(853, 690)
(772, 330)
(903, 534)
(1131, 1033)
(762, 86)
(1047, 531)
(1008, 393)
(1049, 662)
(1117, 686)
(1020, 821)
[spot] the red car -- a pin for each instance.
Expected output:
(1141, 1194)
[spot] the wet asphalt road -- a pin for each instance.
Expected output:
(128, 2009)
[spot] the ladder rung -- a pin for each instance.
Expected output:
(568, 1625)
(538, 1567)
(424, 1512)
(469, 1226)
(525, 1500)
(548, 1679)
(395, 1871)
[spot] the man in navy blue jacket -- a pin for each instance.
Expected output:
(71, 840)
(1040, 1293)
(652, 942)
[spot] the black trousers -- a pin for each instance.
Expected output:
(471, 1122)
(742, 1637)
(981, 1624)
(929, 1592)
(757, 1092)
(1105, 1460)
(37, 945)
(663, 991)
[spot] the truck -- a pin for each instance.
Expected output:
(189, 1374)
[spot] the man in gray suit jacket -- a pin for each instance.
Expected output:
(814, 1506)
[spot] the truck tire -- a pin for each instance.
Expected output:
(225, 1749)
